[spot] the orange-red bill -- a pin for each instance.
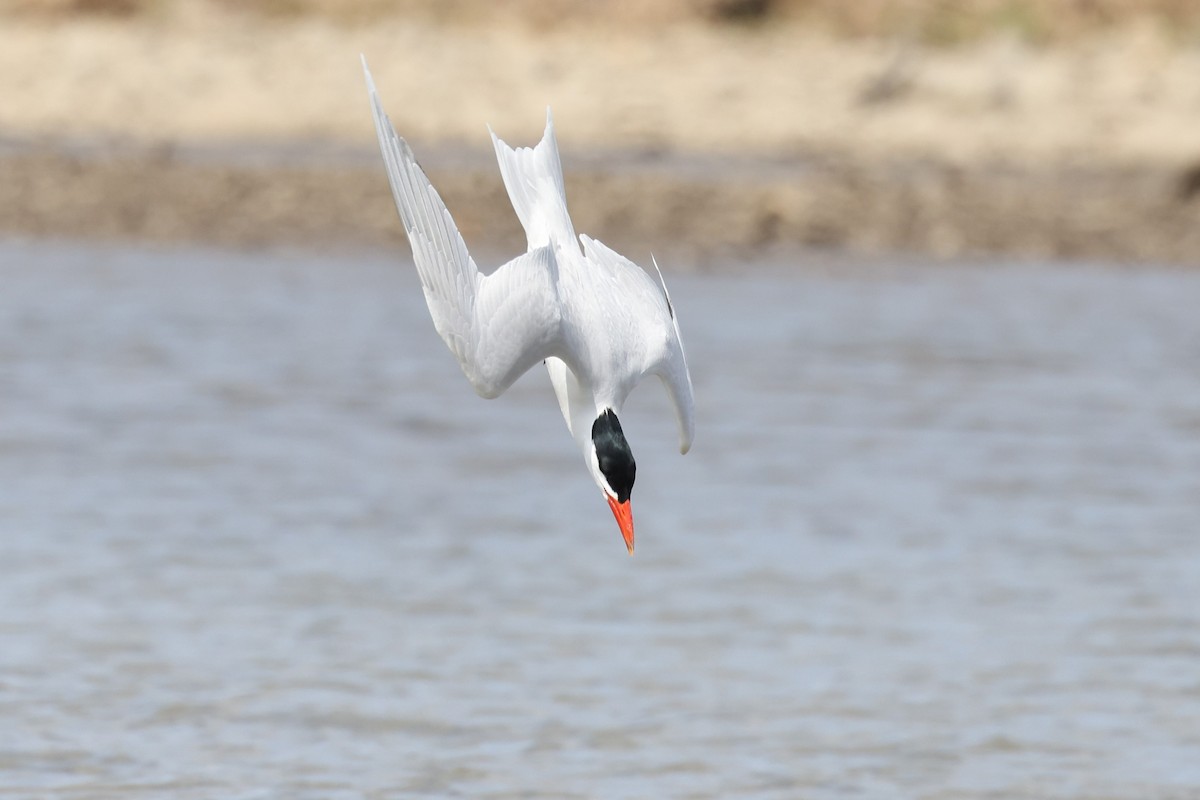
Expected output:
(624, 514)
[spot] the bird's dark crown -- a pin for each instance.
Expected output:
(613, 454)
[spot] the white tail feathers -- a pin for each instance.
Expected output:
(533, 178)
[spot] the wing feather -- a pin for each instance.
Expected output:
(497, 326)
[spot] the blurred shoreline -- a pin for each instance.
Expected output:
(211, 127)
(700, 210)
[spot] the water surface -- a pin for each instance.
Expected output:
(938, 537)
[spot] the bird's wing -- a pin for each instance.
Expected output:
(497, 326)
(656, 326)
(674, 373)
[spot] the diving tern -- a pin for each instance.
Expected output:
(597, 320)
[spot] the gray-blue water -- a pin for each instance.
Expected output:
(939, 537)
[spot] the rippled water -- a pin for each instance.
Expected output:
(938, 538)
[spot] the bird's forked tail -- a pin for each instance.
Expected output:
(533, 178)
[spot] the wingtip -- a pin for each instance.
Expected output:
(687, 433)
(367, 73)
(658, 269)
(662, 282)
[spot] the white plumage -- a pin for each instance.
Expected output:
(598, 321)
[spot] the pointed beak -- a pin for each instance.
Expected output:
(624, 514)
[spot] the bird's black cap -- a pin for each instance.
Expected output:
(613, 453)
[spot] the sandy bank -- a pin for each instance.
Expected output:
(774, 91)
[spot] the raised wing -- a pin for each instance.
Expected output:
(497, 326)
(658, 329)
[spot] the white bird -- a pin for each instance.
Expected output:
(597, 320)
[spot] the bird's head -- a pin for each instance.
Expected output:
(613, 469)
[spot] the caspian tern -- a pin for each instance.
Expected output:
(596, 319)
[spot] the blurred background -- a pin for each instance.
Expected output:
(1040, 128)
(934, 265)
